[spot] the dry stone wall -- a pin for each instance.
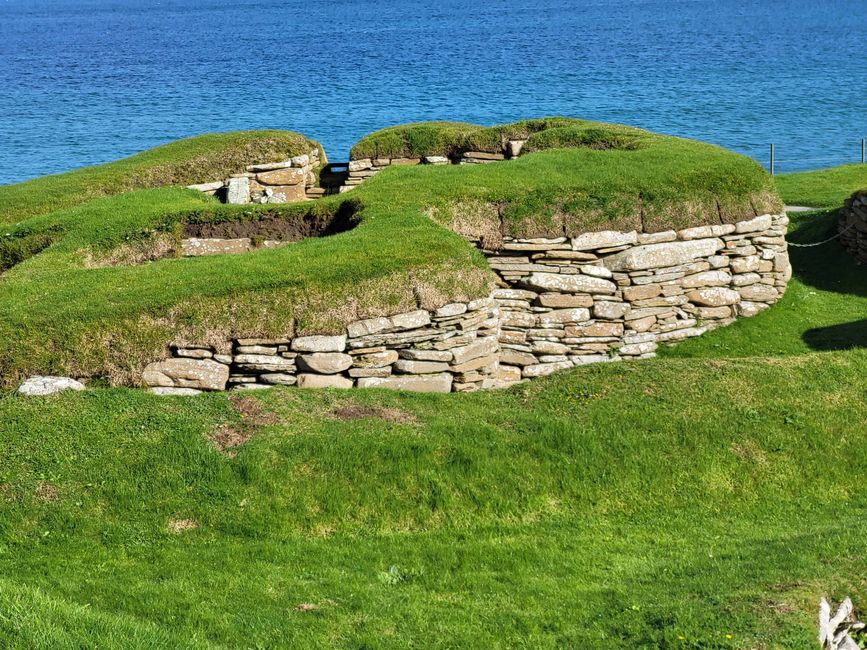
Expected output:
(604, 296)
(561, 302)
(288, 181)
(363, 168)
(853, 226)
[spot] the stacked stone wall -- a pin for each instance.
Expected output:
(853, 226)
(562, 302)
(288, 181)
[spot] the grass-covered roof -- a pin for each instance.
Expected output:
(80, 298)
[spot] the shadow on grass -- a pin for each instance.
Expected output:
(846, 336)
(827, 267)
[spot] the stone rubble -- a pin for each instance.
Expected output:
(288, 181)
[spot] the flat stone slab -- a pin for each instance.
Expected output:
(441, 383)
(46, 385)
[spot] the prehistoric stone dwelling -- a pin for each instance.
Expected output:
(562, 302)
(590, 243)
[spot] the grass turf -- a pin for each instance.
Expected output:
(672, 503)
(822, 187)
(199, 159)
(75, 309)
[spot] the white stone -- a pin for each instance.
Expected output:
(452, 309)
(603, 239)
(669, 254)
(707, 279)
(47, 385)
(319, 344)
(569, 283)
(239, 190)
(714, 297)
(754, 225)
(411, 320)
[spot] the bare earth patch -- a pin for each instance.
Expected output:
(46, 492)
(180, 525)
(229, 437)
(357, 412)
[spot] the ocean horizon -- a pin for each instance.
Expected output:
(85, 81)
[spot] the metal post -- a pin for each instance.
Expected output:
(772, 160)
(862, 150)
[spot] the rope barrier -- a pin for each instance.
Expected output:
(824, 241)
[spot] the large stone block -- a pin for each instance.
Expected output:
(278, 177)
(441, 383)
(603, 239)
(325, 363)
(569, 283)
(38, 386)
(203, 374)
(654, 256)
(323, 381)
(319, 344)
(714, 297)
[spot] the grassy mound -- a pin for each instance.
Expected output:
(454, 138)
(93, 291)
(199, 159)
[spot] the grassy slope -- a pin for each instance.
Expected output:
(673, 503)
(199, 159)
(824, 187)
(66, 317)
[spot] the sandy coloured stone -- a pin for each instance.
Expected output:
(410, 367)
(410, 320)
(517, 358)
(375, 359)
(652, 256)
(426, 355)
(441, 383)
(599, 329)
(714, 297)
(479, 348)
(319, 344)
(542, 369)
(368, 327)
(610, 310)
(706, 279)
(279, 378)
(204, 374)
(324, 381)
(325, 363)
(263, 362)
(760, 223)
(603, 239)
(759, 293)
(641, 292)
(569, 283)
(558, 317)
(474, 364)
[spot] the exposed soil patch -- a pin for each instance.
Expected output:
(46, 492)
(228, 437)
(180, 525)
(251, 411)
(277, 225)
(356, 412)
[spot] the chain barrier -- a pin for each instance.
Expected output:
(824, 241)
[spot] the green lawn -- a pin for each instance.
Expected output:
(823, 187)
(704, 500)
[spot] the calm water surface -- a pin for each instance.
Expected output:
(87, 81)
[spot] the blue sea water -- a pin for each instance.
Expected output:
(87, 81)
